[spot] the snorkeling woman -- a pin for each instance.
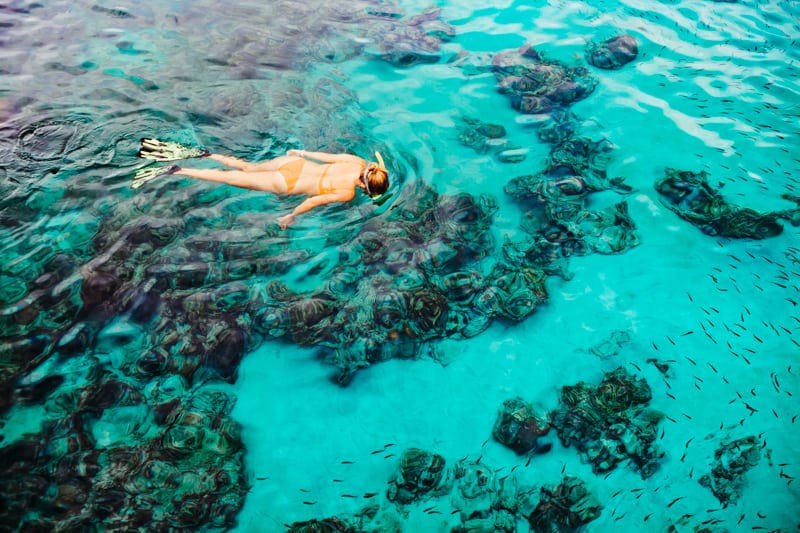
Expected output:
(324, 178)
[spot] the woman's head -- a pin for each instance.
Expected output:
(376, 178)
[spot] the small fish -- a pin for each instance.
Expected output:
(646, 518)
(690, 332)
(388, 455)
(370, 494)
(712, 367)
(262, 478)
(348, 496)
(309, 503)
(674, 501)
(761, 515)
(428, 509)
(348, 462)
(375, 452)
(305, 490)
(740, 520)
(616, 493)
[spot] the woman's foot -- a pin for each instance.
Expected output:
(144, 175)
(168, 151)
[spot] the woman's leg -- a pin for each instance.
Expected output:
(267, 181)
(273, 164)
(232, 162)
(270, 164)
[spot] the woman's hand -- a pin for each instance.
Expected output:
(284, 221)
(297, 153)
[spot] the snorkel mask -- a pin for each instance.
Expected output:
(379, 199)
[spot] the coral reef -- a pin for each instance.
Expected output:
(557, 215)
(180, 465)
(691, 197)
(484, 137)
(535, 84)
(610, 422)
(410, 275)
(483, 500)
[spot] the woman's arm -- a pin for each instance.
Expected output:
(315, 201)
(324, 156)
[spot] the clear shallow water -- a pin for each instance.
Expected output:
(714, 88)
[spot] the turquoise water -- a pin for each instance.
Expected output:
(171, 359)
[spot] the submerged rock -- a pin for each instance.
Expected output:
(613, 53)
(519, 426)
(407, 41)
(421, 474)
(325, 525)
(485, 501)
(565, 507)
(732, 460)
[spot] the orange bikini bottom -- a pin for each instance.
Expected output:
(291, 173)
